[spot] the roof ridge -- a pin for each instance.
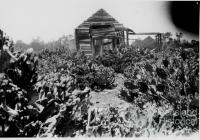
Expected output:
(100, 15)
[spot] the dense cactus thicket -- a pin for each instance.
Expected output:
(49, 94)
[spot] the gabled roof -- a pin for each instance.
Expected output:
(100, 17)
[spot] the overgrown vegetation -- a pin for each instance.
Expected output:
(49, 94)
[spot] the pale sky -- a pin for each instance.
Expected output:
(50, 19)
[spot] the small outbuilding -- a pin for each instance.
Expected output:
(101, 32)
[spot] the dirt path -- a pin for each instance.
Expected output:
(109, 97)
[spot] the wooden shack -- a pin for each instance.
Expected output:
(100, 32)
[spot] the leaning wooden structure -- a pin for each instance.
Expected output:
(101, 32)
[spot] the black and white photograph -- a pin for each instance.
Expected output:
(99, 69)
